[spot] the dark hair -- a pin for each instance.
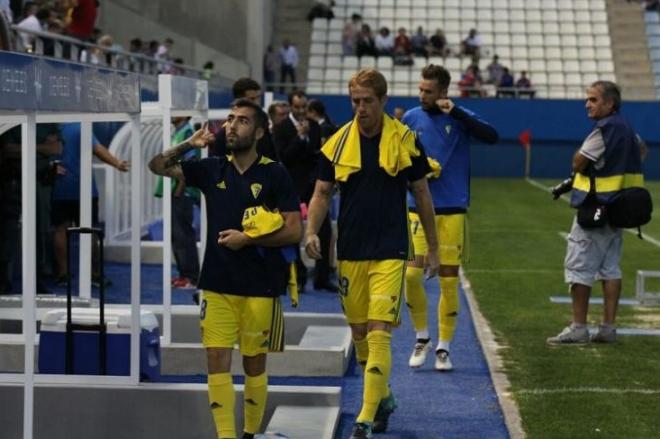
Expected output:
(274, 106)
(296, 94)
(610, 92)
(438, 73)
(43, 14)
(209, 65)
(242, 85)
(260, 117)
(316, 106)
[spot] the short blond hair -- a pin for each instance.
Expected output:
(369, 78)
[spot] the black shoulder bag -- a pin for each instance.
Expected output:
(592, 214)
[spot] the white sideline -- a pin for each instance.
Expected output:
(514, 270)
(648, 238)
(490, 349)
(586, 390)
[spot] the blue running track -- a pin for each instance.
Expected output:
(460, 404)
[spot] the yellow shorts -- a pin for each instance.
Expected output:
(451, 234)
(256, 322)
(371, 290)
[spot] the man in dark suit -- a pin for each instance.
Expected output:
(316, 112)
(297, 141)
(250, 89)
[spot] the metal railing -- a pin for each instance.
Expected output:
(65, 47)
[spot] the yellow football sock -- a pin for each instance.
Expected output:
(361, 351)
(416, 297)
(254, 401)
(377, 374)
(447, 308)
(222, 399)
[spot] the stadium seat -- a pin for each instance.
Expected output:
(540, 78)
(556, 78)
(384, 62)
(588, 66)
(317, 49)
(367, 61)
(582, 17)
(651, 17)
(519, 53)
(553, 53)
(570, 53)
(586, 53)
(315, 74)
(536, 40)
(555, 65)
(571, 66)
(351, 62)
(520, 64)
(316, 61)
(536, 53)
(538, 65)
(334, 49)
(533, 16)
(517, 15)
(605, 66)
(333, 62)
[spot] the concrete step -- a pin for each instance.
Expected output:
(170, 410)
(304, 422)
(315, 344)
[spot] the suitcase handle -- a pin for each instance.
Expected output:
(69, 325)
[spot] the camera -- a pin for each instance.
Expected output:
(563, 187)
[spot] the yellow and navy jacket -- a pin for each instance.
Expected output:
(622, 163)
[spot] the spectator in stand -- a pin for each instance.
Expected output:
(177, 68)
(270, 67)
(321, 10)
(135, 46)
(277, 112)
(402, 42)
(402, 58)
(495, 70)
(420, 43)
(83, 19)
(438, 44)
(97, 55)
(349, 35)
(470, 83)
(384, 42)
(365, 43)
(163, 55)
(152, 49)
(471, 46)
(505, 84)
(316, 112)
(398, 113)
(33, 20)
(288, 63)
(524, 86)
(208, 70)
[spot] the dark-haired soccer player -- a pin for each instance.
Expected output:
(242, 277)
(445, 130)
(374, 159)
(245, 88)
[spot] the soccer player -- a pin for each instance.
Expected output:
(242, 276)
(444, 130)
(374, 159)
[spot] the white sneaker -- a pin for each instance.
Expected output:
(442, 361)
(418, 356)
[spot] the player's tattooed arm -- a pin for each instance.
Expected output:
(167, 163)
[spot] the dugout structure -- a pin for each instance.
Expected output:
(39, 90)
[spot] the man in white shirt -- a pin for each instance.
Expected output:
(32, 22)
(288, 63)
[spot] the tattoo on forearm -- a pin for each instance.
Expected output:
(166, 163)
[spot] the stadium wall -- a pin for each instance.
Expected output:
(557, 130)
(232, 33)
